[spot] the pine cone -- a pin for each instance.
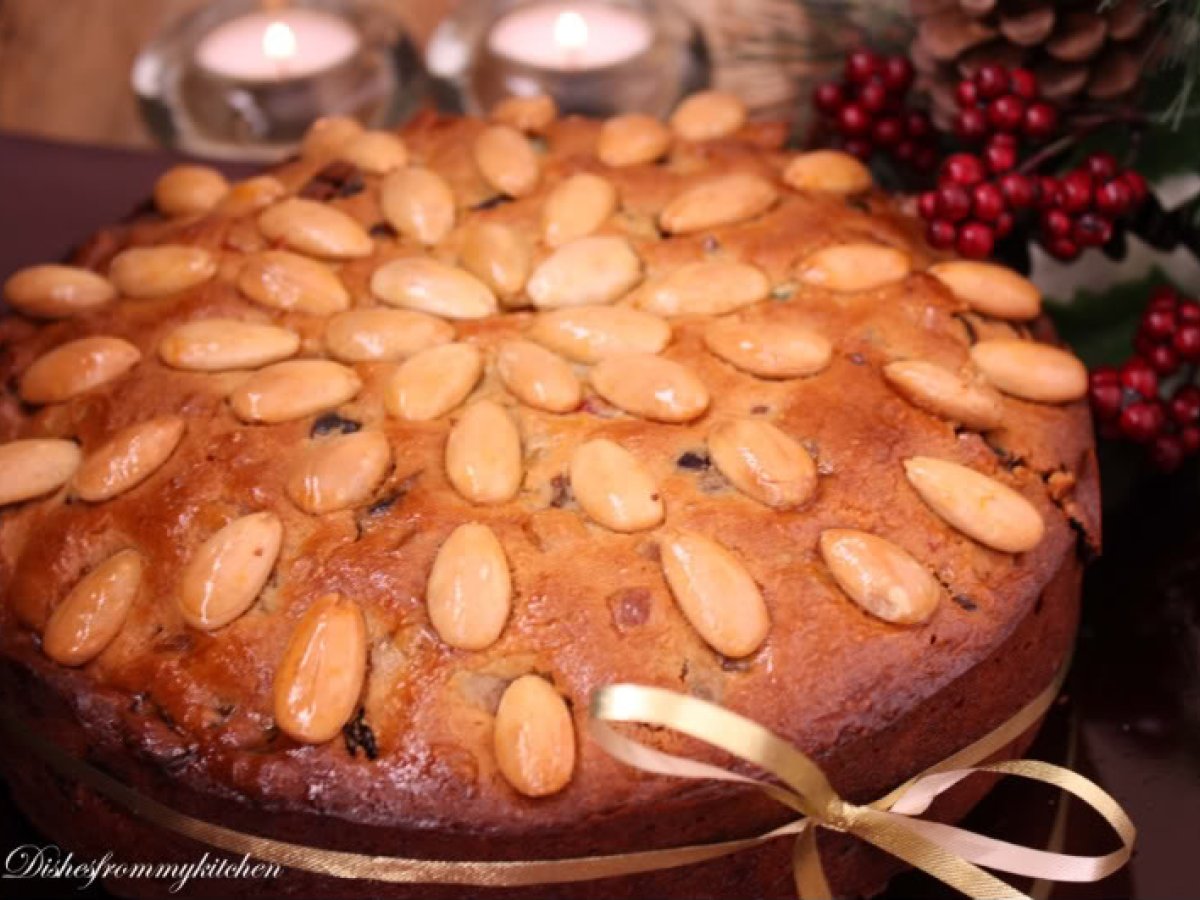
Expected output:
(1079, 50)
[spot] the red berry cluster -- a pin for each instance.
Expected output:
(999, 101)
(867, 109)
(973, 204)
(1135, 403)
(1079, 209)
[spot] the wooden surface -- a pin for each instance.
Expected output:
(64, 64)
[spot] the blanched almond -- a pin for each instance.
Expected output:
(506, 160)
(651, 387)
(339, 472)
(383, 335)
(419, 204)
(282, 280)
(712, 288)
(708, 115)
(189, 190)
(1031, 371)
(723, 200)
(614, 488)
(328, 135)
(577, 207)
(77, 366)
(534, 738)
(880, 577)
(35, 466)
(145, 272)
(420, 283)
(93, 613)
(377, 152)
(969, 402)
(827, 171)
(633, 139)
(978, 506)
(716, 594)
(251, 195)
(769, 349)
(538, 377)
(56, 292)
(469, 593)
(483, 454)
(319, 680)
(588, 334)
(532, 115)
(293, 389)
(129, 458)
(587, 271)
(218, 345)
(229, 570)
(854, 267)
(498, 256)
(433, 382)
(990, 289)
(307, 226)
(763, 462)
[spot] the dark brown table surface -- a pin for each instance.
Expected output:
(1133, 700)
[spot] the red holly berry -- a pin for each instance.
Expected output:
(1141, 421)
(975, 240)
(1113, 198)
(1188, 311)
(1190, 436)
(1185, 405)
(1101, 165)
(1091, 230)
(854, 120)
(1018, 190)
(828, 98)
(1075, 191)
(1140, 377)
(966, 94)
(861, 65)
(1023, 83)
(987, 202)
(873, 96)
(1187, 341)
(1159, 322)
(1041, 119)
(888, 132)
(1004, 224)
(1062, 248)
(1136, 184)
(1000, 156)
(897, 74)
(1104, 391)
(941, 234)
(991, 81)
(1006, 112)
(953, 202)
(1163, 359)
(1056, 223)
(971, 124)
(963, 168)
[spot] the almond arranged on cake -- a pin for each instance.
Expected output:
(330, 496)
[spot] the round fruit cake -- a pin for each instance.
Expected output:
(331, 496)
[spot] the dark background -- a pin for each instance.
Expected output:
(1132, 705)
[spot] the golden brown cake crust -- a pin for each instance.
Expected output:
(590, 606)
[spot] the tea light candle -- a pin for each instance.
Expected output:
(288, 44)
(571, 36)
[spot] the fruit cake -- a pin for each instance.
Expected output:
(331, 495)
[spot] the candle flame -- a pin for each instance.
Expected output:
(570, 30)
(279, 42)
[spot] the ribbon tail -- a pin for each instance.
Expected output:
(811, 883)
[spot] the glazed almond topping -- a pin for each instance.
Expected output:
(147, 272)
(251, 195)
(35, 466)
(980, 507)
(292, 390)
(827, 171)
(709, 288)
(768, 350)
(419, 204)
(129, 458)
(383, 335)
(534, 738)
(532, 115)
(763, 462)
(77, 366)
(218, 345)
(229, 570)
(716, 593)
(433, 382)
(588, 334)
(327, 136)
(880, 577)
(189, 190)
(586, 271)
(498, 256)
(320, 677)
(377, 152)
(429, 286)
(537, 377)
(724, 200)
(339, 472)
(854, 267)
(651, 387)
(483, 454)
(469, 594)
(287, 281)
(91, 616)
(614, 488)
(633, 139)
(1031, 371)
(57, 292)
(507, 161)
(306, 226)
(964, 399)
(576, 207)
(990, 289)
(708, 115)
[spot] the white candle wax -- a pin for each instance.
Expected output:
(291, 43)
(571, 35)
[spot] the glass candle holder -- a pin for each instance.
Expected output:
(239, 80)
(594, 57)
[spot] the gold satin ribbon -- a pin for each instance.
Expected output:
(951, 854)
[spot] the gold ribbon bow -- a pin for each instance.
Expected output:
(951, 854)
(946, 852)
